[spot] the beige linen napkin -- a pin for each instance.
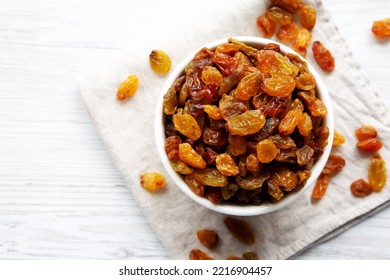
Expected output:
(127, 130)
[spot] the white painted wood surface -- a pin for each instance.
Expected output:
(60, 195)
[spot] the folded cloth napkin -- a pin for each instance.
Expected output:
(127, 130)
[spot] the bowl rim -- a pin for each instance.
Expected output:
(231, 209)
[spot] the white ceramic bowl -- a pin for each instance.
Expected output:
(234, 209)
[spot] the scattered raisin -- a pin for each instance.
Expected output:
(266, 26)
(208, 238)
(381, 28)
(323, 57)
(240, 230)
(377, 173)
(365, 132)
(320, 186)
(338, 138)
(128, 87)
(334, 164)
(160, 61)
(152, 181)
(197, 254)
(369, 145)
(361, 188)
(308, 16)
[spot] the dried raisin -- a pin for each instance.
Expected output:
(361, 188)
(128, 87)
(160, 61)
(152, 181)
(240, 230)
(208, 238)
(377, 173)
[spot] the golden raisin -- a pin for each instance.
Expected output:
(128, 87)
(266, 26)
(152, 181)
(279, 15)
(211, 177)
(208, 238)
(160, 61)
(279, 86)
(187, 125)
(308, 16)
(181, 167)
(211, 75)
(305, 81)
(377, 173)
(287, 33)
(189, 156)
(197, 254)
(266, 151)
(305, 126)
(361, 188)
(213, 112)
(381, 28)
(290, 121)
(240, 230)
(338, 138)
(226, 165)
(247, 123)
(249, 86)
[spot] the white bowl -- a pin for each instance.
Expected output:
(235, 209)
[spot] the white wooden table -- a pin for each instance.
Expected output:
(60, 195)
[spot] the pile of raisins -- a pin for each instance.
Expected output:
(244, 125)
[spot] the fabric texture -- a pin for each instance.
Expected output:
(126, 129)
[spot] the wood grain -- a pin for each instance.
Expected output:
(60, 195)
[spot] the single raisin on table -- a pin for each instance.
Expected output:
(128, 87)
(361, 188)
(377, 173)
(208, 238)
(152, 181)
(320, 186)
(160, 61)
(334, 164)
(365, 132)
(369, 145)
(338, 138)
(197, 254)
(323, 57)
(307, 16)
(381, 28)
(240, 230)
